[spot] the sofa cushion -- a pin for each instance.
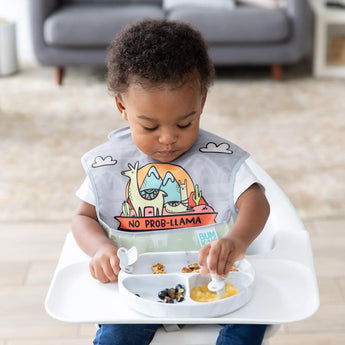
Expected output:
(264, 3)
(156, 2)
(245, 24)
(170, 4)
(87, 26)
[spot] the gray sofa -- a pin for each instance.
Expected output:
(77, 32)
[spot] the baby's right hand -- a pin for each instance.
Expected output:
(104, 266)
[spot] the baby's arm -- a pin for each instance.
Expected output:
(253, 211)
(92, 239)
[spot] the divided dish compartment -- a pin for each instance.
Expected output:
(140, 288)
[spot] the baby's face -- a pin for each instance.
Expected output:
(164, 121)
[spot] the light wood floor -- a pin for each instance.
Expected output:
(29, 254)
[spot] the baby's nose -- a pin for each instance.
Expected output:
(167, 137)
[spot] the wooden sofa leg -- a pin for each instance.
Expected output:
(59, 72)
(277, 72)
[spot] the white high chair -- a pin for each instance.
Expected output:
(286, 288)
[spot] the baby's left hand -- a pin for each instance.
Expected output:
(222, 254)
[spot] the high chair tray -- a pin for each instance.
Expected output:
(284, 289)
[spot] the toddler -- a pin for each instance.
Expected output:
(163, 175)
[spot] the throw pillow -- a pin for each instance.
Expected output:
(264, 3)
(169, 4)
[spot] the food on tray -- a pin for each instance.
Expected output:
(203, 294)
(186, 270)
(192, 268)
(170, 294)
(158, 269)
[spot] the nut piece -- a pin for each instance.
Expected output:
(192, 268)
(158, 269)
(186, 270)
(195, 268)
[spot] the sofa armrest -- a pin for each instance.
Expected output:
(300, 14)
(39, 10)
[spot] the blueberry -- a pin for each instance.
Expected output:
(162, 294)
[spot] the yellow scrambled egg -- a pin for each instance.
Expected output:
(203, 294)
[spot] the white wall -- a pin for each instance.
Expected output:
(17, 11)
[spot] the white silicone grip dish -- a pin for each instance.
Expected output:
(140, 288)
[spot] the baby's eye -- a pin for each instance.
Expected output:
(184, 126)
(150, 129)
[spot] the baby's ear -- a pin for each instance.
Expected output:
(121, 106)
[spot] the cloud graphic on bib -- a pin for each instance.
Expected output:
(100, 161)
(214, 148)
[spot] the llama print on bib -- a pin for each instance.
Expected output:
(162, 196)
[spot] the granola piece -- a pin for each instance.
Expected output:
(195, 268)
(186, 270)
(192, 268)
(158, 269)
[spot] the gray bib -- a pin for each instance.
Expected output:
(159, 204)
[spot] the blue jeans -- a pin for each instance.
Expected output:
(141, 334)
(238, 334)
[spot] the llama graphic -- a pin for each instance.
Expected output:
(177, 207)
(140, 202)
(162, 196)
(182, 205)
(184, 192)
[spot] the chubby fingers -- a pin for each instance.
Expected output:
(208, 258)
(220, 257)
(105, 268)
(224, 263)
(202, 258)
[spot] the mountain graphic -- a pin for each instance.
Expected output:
(152, 180)
(171, 188)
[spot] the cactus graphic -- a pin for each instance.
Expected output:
(126, 209)
(197, 195)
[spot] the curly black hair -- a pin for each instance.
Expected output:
(158, 51)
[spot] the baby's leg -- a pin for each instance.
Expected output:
(237, 334)
(129, 334)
